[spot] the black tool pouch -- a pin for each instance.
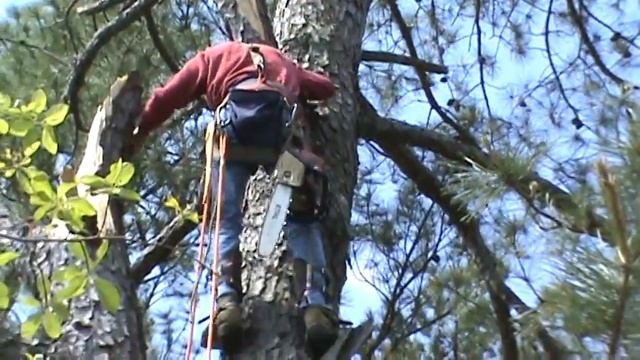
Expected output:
(258, 118)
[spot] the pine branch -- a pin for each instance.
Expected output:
(468, 227)
(387, 57)
(581, 219)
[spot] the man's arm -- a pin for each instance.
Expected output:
(315, 86)
(183, 87)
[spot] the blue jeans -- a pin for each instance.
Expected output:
(304, 240)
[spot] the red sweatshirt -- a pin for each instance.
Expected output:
(214, 70)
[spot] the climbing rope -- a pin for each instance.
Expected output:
(206, 229)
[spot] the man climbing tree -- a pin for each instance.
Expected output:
(256, 91)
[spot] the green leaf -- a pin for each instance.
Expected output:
(172, 203)
(102, 251)
(5, 101)
(78, 250)
(93, 181)
(192, 216)
(61, 310)
(31, 325)
(43, 284)
(114, 172)
(74, 287)
(8, 256)
(125, 174)
(24, 182)
(67, 273)
(56, 114)
(38, 102)
(127, 194)
(4, 126)
(64, 188)
(29, 300)
(81, 207)
(40, 199)
(31, 149)
(42, 211)
(4, 296)
(49, 140)
(9, 173)
(41, 184)
(108, 293)
(20, 127)
(51, 324)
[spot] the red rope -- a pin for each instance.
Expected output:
(214, 287)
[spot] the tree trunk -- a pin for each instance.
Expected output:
(323, 36)
(91, 332)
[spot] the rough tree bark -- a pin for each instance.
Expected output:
(92, 332)
(324, 36)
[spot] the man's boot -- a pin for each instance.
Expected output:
(321, 329)
(228, 317)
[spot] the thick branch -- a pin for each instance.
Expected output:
(255, 12)
(578, 218)
(501, 295)
(99, 40)
(387, 57)
(168, 239)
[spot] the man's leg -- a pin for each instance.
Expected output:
(305, 241)
(229, 319)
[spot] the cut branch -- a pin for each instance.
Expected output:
(99, 40)
(387, 57)
(578, 218)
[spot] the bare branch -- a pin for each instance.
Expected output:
(71, 238)
(99, 40)
(424, 81)
(481, 59)
(98, 6)
(255, 11)
(387, 57)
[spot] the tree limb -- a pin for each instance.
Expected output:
(387, 57)
(99, 40)
(579, 219)
(157, 42)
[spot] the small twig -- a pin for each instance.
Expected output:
(481, 59)
(616, 33)
(591, 49)
(618, 319)
(60, 240)
(553, 66)
(35, 47)
(97, 7)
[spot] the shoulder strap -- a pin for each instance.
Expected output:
(258, 61)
